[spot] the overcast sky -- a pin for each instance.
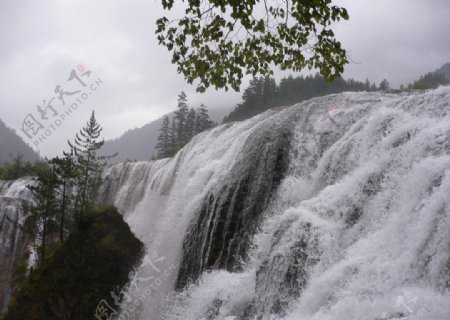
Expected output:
(42, 41)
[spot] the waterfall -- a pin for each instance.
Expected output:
(334, 208)
(226, 186)
(14, 244)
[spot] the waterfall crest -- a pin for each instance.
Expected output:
(335, 208)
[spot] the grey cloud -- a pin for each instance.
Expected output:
(40, 43)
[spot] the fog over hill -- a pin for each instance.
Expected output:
(11, 145)
(139, 143)
(445, 70)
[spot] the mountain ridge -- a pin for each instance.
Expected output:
(445, 70)
(11, 144)
(140, 143)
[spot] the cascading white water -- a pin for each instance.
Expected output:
(13, 242)
(335, 208)
(357, 227)
(160, 199)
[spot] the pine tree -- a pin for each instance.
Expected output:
(173, 138)
(164, 143)
(181, 117)
(43, 208)
(269, 93)
(190, 124)
(66, 171)
(198, 119)
(89, 164)
(384, 85)
(203, 121)
(367, 85)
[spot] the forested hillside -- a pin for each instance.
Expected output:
(11, 145)
(445, 70)
(140, 143)
(264, 93)
(431, 80)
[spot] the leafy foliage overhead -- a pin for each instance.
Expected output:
(216, 42)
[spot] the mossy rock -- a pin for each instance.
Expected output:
(94, 260)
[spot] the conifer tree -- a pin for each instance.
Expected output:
(181, 117)
(384, 85)
(43, 208)
(190, 124)
(66, 172)
(367, 85)
(184, 125)
(89, 165)
(198, 120)
(269, 93)
(164, 144)
(173, 138)
(203, 121)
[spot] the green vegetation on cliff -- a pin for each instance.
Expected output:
(18, 168)
(96, 258)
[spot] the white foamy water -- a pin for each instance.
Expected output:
(353, 223)
(13, 243)
(358, 229)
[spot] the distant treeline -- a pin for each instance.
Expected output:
(175, 133)
(431, 80)
(18, 168)
(264, 93)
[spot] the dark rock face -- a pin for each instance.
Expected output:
(281, 278)
(95, 260)
(229, 217)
